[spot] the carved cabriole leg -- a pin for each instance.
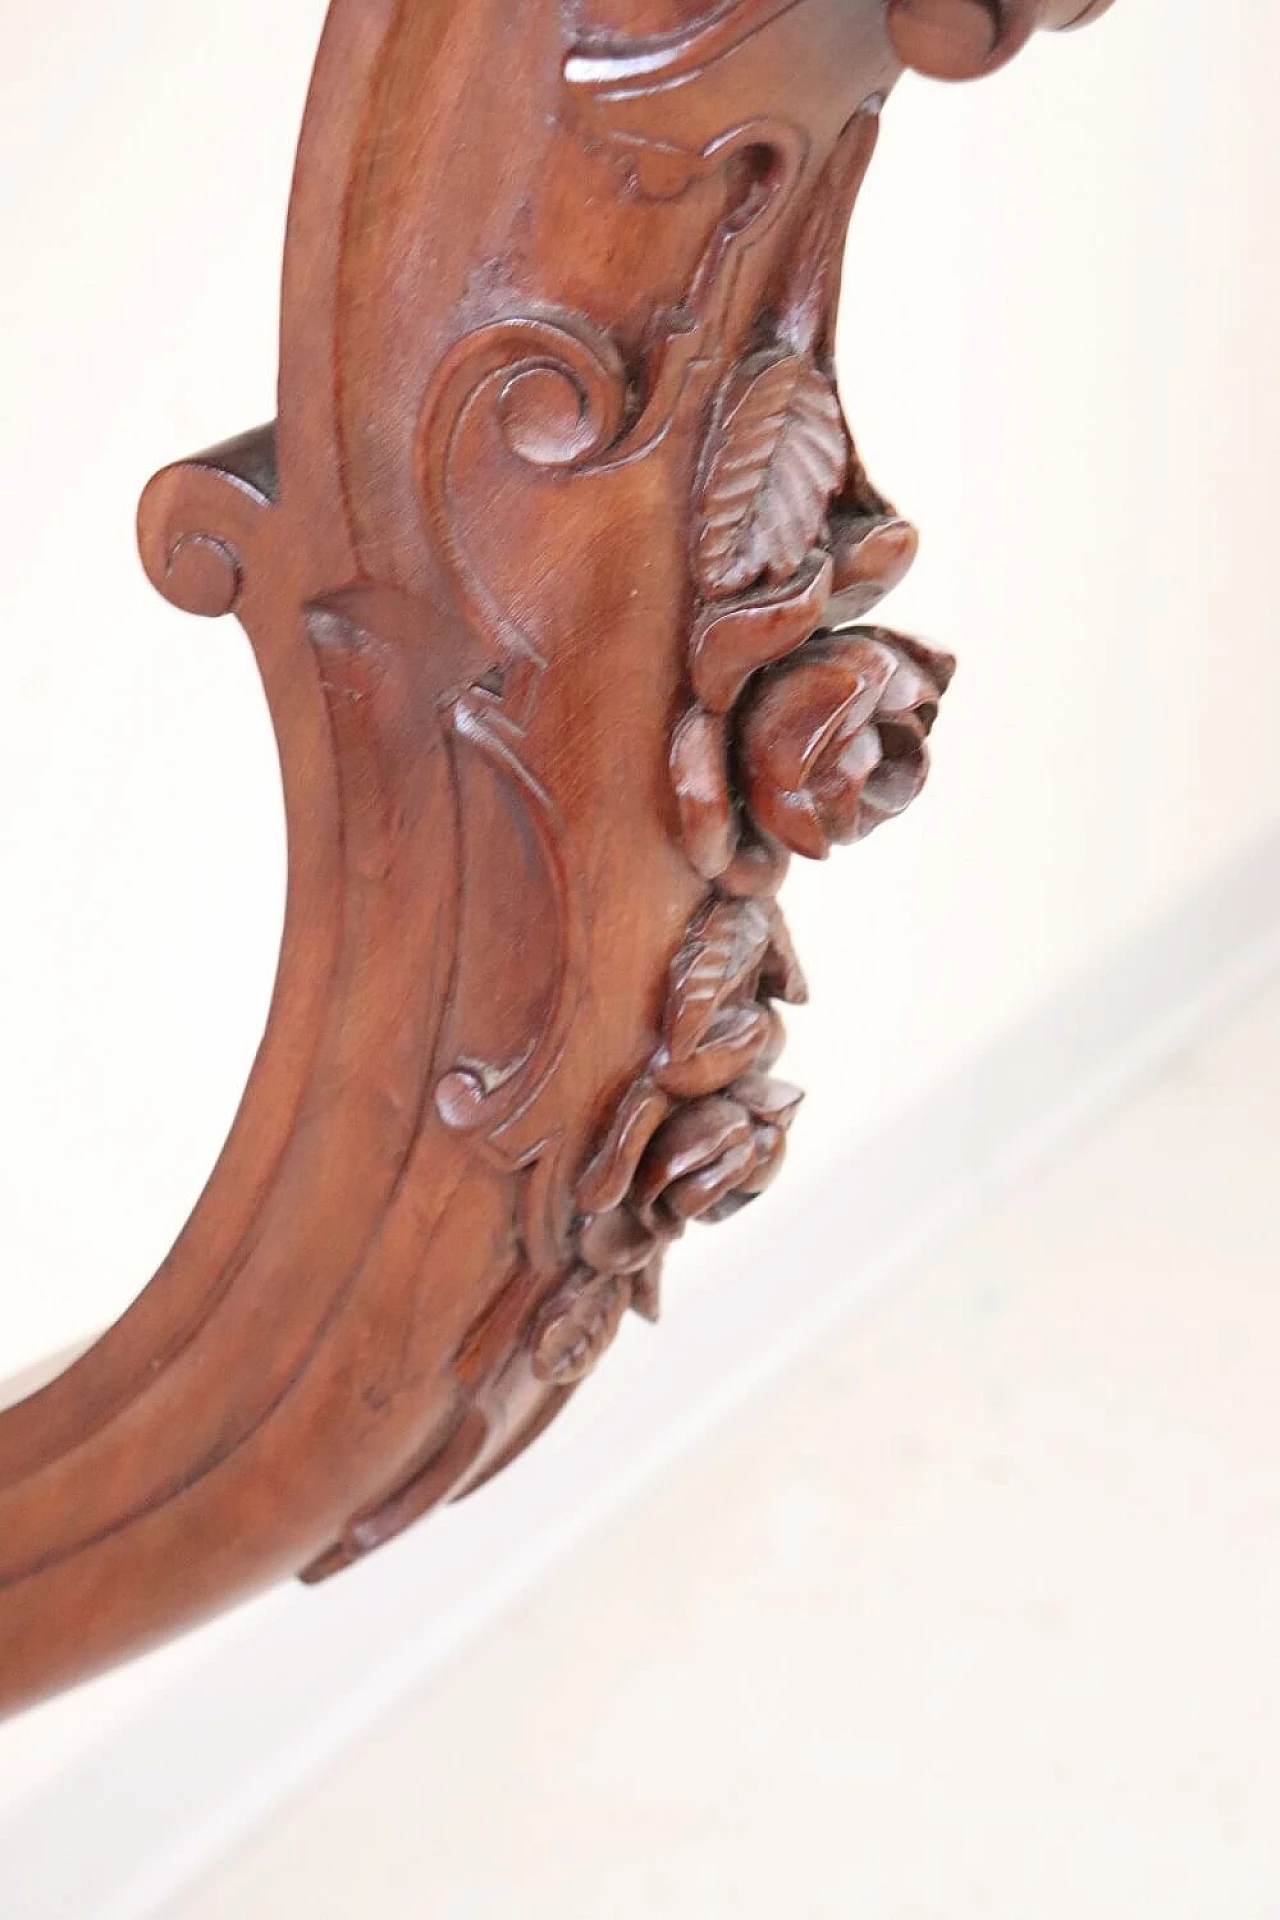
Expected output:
(551, 565)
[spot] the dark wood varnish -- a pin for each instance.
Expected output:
(554, 564)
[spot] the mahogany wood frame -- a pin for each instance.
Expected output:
(552, 563)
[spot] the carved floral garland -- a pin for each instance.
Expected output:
(802, 733)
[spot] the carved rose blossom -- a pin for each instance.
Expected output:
(831, 743)
(715, 1154)
(702, 1131)
(706, 1161)
(799, 740)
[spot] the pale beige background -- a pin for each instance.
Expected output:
(976, 1620)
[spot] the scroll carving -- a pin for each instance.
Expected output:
(703, 1129)
(554, 564)
(964, 39)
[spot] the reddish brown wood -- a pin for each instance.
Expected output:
(963, 39)
(551, 564)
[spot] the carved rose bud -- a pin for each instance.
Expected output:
(832, 741)
(714, 1155)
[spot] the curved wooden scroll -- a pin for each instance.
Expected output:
(552, 565)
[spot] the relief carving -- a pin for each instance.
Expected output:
(775, 458)
(832, 742)
(802, 732)
(964, 39)
(801, 739)
(703, 1130)
(553, 564)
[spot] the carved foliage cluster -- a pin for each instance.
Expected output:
(800, 733)
(800, 730)
(793, 742)
(699, 1134)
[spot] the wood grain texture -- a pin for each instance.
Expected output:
(550, 564)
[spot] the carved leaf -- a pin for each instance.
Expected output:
(577, 1326)
(699, 763)
(731, 1046)
(723, 949)
(646, 1291)
(782, 976)
(734, 638)
(778, 455)
(870, 553)
(615, 1243)
(605, 1183)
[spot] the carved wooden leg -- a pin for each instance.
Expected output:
(552, 565)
